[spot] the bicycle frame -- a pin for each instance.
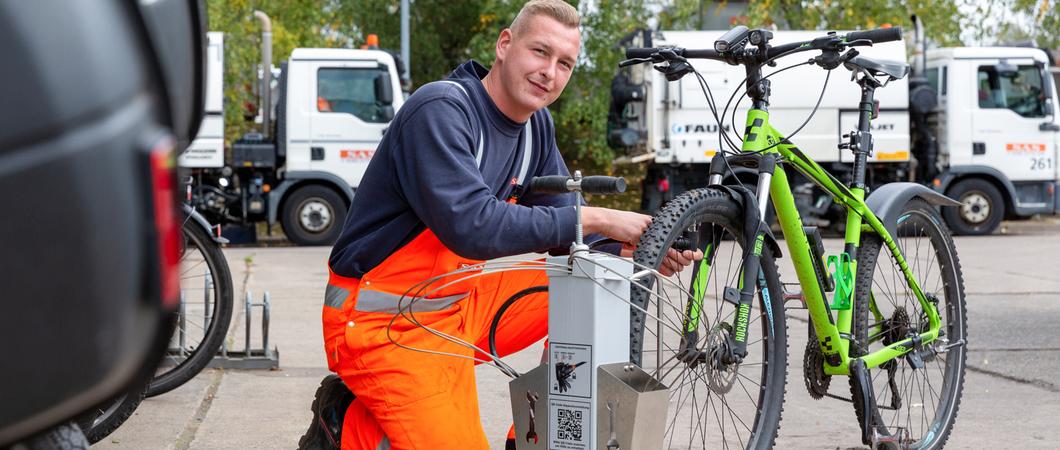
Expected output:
(834, 335)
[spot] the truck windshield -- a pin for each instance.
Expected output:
(1020, 91)
(351, 91)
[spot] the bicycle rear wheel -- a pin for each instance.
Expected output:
(205, 310)
(713, 404)
(917, 397)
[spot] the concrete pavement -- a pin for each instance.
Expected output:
(1011, 396)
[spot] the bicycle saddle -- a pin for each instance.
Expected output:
(875, 67)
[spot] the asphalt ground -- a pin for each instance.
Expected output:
(1011, 394)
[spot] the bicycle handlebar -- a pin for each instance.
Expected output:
(737, 36)
(559, 184)
(877, 36)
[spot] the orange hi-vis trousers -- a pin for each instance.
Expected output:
(414, 400)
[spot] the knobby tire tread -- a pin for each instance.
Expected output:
(653, 243)
(868, 255)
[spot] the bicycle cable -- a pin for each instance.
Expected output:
(705, 87)
(744, 95)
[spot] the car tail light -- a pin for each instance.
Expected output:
(167, 223)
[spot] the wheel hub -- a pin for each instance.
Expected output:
(314, 215)
(897, 327)
(975, 207)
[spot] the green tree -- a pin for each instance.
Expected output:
(295, 23)
(942, 19)
(443, 34)
(1017, 21)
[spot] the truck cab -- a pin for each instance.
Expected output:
(998, 134)
(333, 107)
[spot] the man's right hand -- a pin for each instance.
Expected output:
(622, 226)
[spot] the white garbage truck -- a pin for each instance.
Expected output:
(978, 124)
(332, 107)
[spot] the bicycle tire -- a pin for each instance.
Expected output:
(188, 362)
(101, 420)
(918, 224)
(717, 208)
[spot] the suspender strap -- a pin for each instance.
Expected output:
(528, 141)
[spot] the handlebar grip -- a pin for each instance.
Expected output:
(877, 36)
(551, 184)
(559, 184)
(636, 52)
(701, 54)
(599, 184)
(732, 39)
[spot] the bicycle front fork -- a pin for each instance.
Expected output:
(743, 296)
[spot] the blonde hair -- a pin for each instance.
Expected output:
(559, 10)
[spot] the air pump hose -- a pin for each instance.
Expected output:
(504, 307)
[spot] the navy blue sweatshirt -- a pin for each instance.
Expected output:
(424, 174)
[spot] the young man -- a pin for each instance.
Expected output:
(443, 191)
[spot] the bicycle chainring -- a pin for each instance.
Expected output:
(816, 380)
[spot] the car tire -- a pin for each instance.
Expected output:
(313, 215)
(981, 211)
(66, 436)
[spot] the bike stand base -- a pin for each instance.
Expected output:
(256, 360)
(251, 358)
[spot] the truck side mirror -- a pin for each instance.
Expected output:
(384, 93)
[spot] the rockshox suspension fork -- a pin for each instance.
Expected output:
(765, 165)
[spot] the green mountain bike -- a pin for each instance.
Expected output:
(888, 312)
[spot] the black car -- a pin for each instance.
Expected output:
(96, 98)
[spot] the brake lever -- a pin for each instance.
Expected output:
(674, 70)
(634, 61)
(859, 43)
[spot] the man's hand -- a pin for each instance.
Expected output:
(627, 227)
(677, 260)
(622, 226)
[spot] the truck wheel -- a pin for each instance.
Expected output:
(313, 215)
(981, 211)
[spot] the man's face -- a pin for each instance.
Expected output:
(537, 61)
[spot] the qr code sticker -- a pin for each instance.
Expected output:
(570, 425)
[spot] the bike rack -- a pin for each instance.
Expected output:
(249, 357)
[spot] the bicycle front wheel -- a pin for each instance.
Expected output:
(917, 396)
(205, 310)
(688, 328)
